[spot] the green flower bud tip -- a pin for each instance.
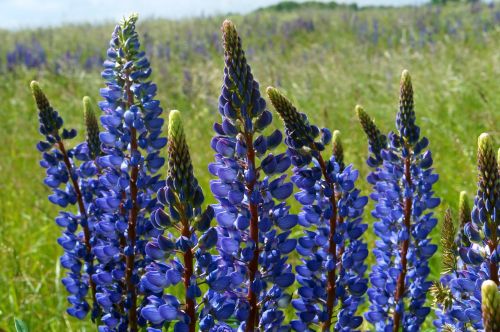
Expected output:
(180, 169)
(406, 88)
(488, 168)
(232, 42)
(485, 142)
(405, 119)
(367, 123)
(338, 150)
(464, 216)
(376, 140)
(498, 161)
(129, 20)
(406, 80)
(49, 119)
(296, 123)
(283, 106)
(463, 209)
(92, 128)
(41, 100)
(175, 129)
(490, 306)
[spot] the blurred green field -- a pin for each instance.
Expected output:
(327, 61)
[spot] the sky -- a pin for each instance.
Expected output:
(17, 14)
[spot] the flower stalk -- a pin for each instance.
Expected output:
(402, 180)
(50, 124)
(251, 191)
(333, 257)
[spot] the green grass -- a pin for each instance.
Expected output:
(326, 72)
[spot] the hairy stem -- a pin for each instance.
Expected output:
(254, 235)
(83, 213)
(400, 287)
(332, 249)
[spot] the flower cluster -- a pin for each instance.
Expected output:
(69, 186)
(113, 185)
(130, 142)
(179, 210)
(136, 238)
(402, 182)
(253, 218)
(332, 271)
(473, 258)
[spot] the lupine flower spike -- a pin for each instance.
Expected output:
(174, 254)
(402, 181)
(486, 211)
(331, 276)
(130, 143)
(64, 179)
(477, 247)
(253, 218)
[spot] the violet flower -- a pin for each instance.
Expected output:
(68, 185)
(253, 218)
(473, 258)
(402, 182)
(130, 142)
(183, 253)
(331, 275)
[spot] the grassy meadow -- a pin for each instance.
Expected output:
(326, 60)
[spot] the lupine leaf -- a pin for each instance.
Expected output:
(448, 245)
(20, 325)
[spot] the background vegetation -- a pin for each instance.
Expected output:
(327, 59)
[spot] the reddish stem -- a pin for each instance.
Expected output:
(254, 235)
(332, 248)
(123, 244)
(493, 244)
(400, 288)
(132, 222)
(188, 273)
(83, 213)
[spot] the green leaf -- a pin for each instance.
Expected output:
(20, 325)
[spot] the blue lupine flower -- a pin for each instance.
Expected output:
(332, 271)
(76, 239)
(402, 183)
(253, 218)
(179, 207)
(475, 249)
(130, 143)
(29, 56)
